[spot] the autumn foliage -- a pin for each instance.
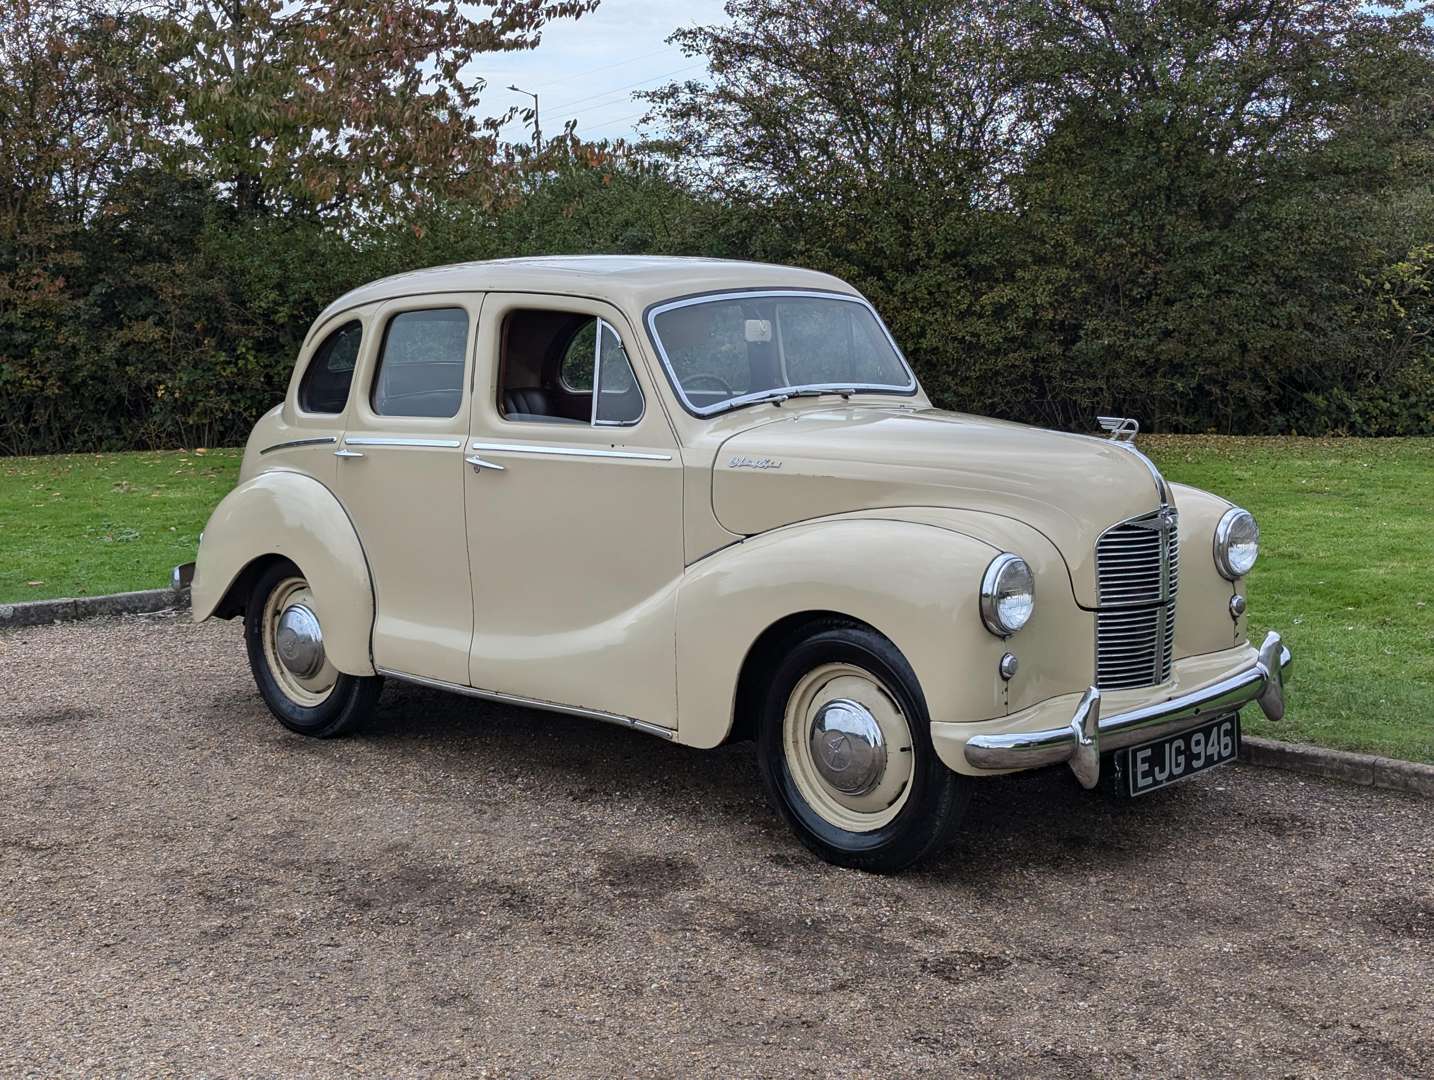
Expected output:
(1216, 216)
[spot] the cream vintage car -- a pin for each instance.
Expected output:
(709, 501)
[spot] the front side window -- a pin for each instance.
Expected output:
(421, 364)
(576, 368)
(325, 385)
(551, 362)
(737, 349)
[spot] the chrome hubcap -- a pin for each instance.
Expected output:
(299, 641)
(294, 645)
(847, 746)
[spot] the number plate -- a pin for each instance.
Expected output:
(1160, 763)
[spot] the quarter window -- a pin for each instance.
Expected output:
(421, 364)
(325, 385)
(597, 353)
(619, 399)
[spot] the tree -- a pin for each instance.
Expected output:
(828, 98)
(71, 116)
(1178, 208)
(340, 107)
(1207, 186)
(871, 138)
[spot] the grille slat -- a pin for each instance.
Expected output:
(1135, 623)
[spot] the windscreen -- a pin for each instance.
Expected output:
(732, 350)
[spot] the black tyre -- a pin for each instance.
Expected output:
(844, 748)
(302, 688)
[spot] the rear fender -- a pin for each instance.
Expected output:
(292, 516)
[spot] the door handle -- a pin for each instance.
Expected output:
(479, 464)
(348, 453)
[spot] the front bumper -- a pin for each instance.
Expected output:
(1088, 735)
(182, 576)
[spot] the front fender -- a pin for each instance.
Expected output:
(914, 582)
(294, 516)
(1203, 623)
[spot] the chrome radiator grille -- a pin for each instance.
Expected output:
(1137, 574)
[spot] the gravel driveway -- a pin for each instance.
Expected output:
(467, 889)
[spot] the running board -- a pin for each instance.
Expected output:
(530, 703)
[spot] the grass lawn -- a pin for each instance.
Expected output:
(1346, 570)
(1346, 574)
(88, 524)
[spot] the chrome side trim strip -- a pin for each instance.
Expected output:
(566, 451)
(384, 440)
(531, 703)
(321, 440)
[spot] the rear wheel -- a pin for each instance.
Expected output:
(845, 752)
(298, 682)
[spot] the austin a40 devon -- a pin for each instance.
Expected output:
(709, 501)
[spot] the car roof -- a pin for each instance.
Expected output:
(630, 281)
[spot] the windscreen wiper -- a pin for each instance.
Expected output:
(776, 397)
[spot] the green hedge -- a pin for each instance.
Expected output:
(171, 321)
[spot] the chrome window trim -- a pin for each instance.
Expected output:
(736, 402)
(567, 451)
(387, 440)
(597, 372)
(531, 703)
(320, 440)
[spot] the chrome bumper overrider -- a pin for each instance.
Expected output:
(1088, 735)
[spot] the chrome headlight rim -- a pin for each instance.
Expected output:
(997, 573)
(1223, 532)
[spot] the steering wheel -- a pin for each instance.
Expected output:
(721, 382)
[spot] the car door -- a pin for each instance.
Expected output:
(320, 397)
(401, 478)
(574, 503)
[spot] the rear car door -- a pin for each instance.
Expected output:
(401, 478)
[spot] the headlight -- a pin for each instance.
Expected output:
(1237, 543)
(1008, 594)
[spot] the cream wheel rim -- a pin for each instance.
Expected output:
(293, 644)
(848, 747)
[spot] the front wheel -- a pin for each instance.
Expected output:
(298, 682)
(844, 748)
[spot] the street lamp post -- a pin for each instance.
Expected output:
(537, 126)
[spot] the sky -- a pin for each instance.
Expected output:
(588, 69)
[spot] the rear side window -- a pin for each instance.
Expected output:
(420, 366)
(325, 385)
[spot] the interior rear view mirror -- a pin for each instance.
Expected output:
(759, 330)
